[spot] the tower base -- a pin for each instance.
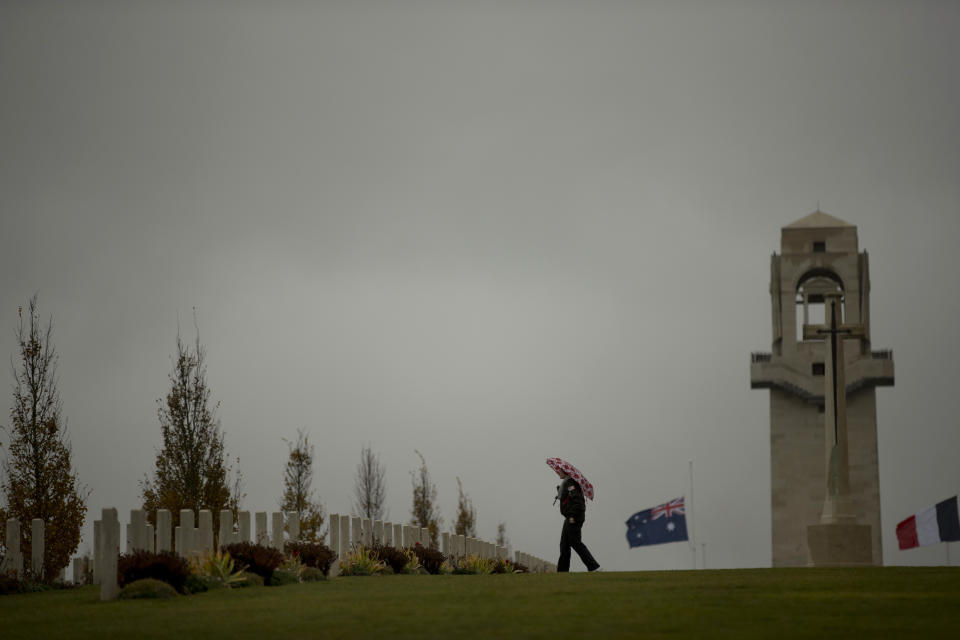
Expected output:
(840, 545)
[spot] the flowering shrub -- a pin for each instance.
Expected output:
(289, 572)
(312, 554)
(399, 560)
(501, 565)
(474, 564)
(430, 559)
(361, 562)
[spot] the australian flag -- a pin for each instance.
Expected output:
(664, 523)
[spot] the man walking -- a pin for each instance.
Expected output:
(574, 509)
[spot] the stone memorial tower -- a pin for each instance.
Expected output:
(822, 375)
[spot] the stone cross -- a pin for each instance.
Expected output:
(836, 505)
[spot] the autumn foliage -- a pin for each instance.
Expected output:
(38, 477)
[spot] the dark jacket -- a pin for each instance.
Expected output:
(572, 504)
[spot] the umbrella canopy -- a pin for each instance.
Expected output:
(562, 467)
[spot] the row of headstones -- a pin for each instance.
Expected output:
(189, 541)
(13, 560)
(535, 564)
(347, 532)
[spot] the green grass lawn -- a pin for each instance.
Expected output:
(894, 602)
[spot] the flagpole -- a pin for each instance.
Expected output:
(693, 541)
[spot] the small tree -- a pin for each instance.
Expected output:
(38, 479)
(466, 514)
(425, 512)
(369, 487)
(190, 472)
(297, 493)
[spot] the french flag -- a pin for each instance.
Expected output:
(938, 523)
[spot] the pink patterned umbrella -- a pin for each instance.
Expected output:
(563, 467)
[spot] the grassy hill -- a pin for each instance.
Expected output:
(892, 602)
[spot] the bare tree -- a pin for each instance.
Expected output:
(297, 492)
(370, 488)
(39, 480)
(425, 512)
(466, 524)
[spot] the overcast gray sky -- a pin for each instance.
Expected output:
(491, 231)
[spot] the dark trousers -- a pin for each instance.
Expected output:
(570, 539)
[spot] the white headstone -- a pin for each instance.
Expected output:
(263, 536)
(345, 543)
(187, 538)
(378, 531)
(398, 536)
(205, 532)
(244, 526)
(366, 531)
(97, 538)
(13, 562)
(333, 523)
(277, 521)
(388, 534)
(137, 530)
(151, 539)
(293, 525)
(109, 548)
(425, 537)
(36, 547)
(163, 530)
(225, 535)
(445, 543)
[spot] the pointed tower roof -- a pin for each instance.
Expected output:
(819, 220)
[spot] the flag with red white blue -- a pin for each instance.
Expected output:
(664, 523)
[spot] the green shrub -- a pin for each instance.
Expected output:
(311, 554)
(10, 585)
(217, 570)
(147, 588)
(165, 566)
(312, 574)
(282, 577)
(250, 580)
(258, 559)
(194, 584)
